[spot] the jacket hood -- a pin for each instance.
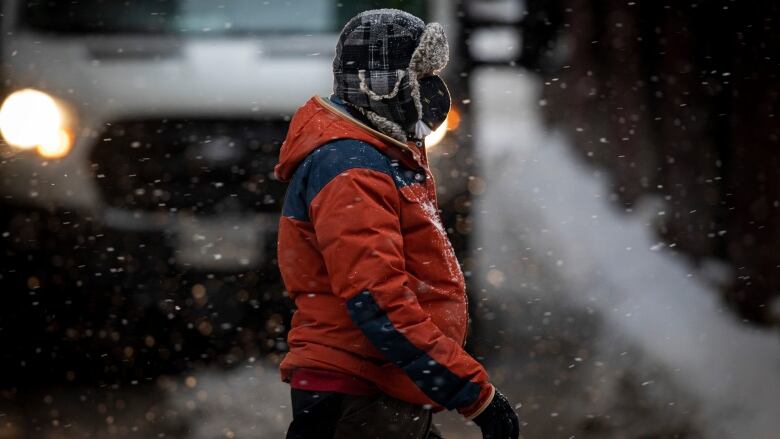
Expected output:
(318, 122)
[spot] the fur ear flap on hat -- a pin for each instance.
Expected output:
(432, 53)
(387, 126)
(383, 124)
(430, 56)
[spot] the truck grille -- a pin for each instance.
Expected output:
(198, 166)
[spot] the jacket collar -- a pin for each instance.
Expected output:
(319, 121)
(410, 147)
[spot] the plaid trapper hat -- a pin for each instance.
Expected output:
(380, 55)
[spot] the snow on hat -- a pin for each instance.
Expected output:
(380, 55)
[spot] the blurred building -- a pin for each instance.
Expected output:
(679, 100)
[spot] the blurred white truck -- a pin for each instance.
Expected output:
(138, 144)
(150, 115)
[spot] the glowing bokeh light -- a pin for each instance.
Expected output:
(31, 118)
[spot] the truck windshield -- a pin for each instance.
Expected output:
(200, 16)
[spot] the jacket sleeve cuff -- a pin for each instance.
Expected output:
(477, 408)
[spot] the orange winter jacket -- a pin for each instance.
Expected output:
(362, 252)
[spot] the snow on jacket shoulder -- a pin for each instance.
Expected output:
(362, 252)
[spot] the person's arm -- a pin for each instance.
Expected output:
(356, 221)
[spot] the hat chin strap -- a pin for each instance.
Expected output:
(377, 97)
(383, 124)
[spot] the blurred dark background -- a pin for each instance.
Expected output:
(679, 100)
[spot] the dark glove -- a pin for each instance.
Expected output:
(498, 420)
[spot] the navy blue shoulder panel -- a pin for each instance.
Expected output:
(328, 161)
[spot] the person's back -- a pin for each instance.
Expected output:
(376, 340)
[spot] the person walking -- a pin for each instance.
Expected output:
(376, 343)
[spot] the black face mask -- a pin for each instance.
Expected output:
(435, 100)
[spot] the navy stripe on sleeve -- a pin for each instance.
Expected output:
(436, 381)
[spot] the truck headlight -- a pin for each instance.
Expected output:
(33, 119)
(451, 123)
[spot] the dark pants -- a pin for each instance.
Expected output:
(325, 415)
